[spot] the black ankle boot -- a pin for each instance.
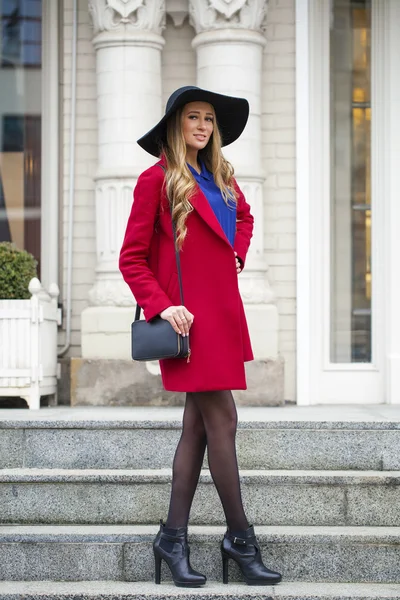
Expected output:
(243, 548)
(174, 549)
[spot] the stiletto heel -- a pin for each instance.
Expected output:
(243, 548)
(157, 568)
(171, 545)
(225, 565)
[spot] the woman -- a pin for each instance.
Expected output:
(195, 183)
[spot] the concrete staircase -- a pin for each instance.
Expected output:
(82, 491)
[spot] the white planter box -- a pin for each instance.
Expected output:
(28, 345)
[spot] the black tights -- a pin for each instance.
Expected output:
(210, 419)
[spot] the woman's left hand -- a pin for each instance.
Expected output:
(238, 264)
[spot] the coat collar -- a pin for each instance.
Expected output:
(202, 206)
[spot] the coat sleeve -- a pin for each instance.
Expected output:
(133, 259)
(244, 227)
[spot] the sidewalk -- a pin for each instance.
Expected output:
(377, 415)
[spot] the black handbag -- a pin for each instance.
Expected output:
(156, 339)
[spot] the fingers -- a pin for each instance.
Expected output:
(175, 325)
(238, 264)
(180, 319)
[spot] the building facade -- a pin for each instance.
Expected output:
(81, 80)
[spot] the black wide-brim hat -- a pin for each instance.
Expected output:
(231, 113)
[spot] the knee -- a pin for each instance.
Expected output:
(223, 424)
(230, 424)
(219, 413)
(195, 429)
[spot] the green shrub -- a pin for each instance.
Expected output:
(17, 267)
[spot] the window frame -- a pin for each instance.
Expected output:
(318, 379)
(50, 179)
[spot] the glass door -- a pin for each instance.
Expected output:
(341, 240)
(20, 123)
(351, 368)
(351, 212)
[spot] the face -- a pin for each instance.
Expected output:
(197, 124)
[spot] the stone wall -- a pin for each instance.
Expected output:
(178, 58)
(279, 139)
(84, 242)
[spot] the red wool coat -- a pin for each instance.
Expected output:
(219, 338)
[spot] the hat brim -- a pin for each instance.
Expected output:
(232, 114)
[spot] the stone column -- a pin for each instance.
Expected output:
(128, 44)
(229, 45)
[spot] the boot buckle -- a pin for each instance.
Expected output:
(240, 541)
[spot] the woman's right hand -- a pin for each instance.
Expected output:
(179, 317)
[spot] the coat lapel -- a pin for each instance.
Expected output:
(203, 208)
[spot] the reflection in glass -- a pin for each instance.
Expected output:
(350, 76)
(20, 123)
(21, 32)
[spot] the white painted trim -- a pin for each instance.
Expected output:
(303, 374)
(391, 99)
(379, 79)
(318, 379)
(319, 191)
(50, 143)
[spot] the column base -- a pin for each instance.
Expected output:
(106, 375)
(106, 332)
(112, 382)
(263, 324)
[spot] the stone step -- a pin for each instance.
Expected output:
(109, 590)
(303, 438)
(124, 553)
(141, 496)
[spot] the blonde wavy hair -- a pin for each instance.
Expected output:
(180, 184)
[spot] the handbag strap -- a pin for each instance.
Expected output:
(178, 263)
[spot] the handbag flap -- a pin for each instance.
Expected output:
(157, 340)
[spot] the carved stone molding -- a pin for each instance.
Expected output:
(255, 288)
(178, 10)
(222, 14)
(111, 292)
(129, 15)
(113, 204)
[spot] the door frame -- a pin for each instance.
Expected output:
(50, 184)
(319, 380)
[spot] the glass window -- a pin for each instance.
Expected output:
(351, 272)
(20, 123)
(21, 32)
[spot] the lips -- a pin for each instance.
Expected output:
(201, 138)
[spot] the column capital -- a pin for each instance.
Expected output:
(178, 10)
(206, 15)
(127, 16)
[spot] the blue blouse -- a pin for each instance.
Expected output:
(225, 213)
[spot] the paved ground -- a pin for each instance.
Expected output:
(332, 413)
